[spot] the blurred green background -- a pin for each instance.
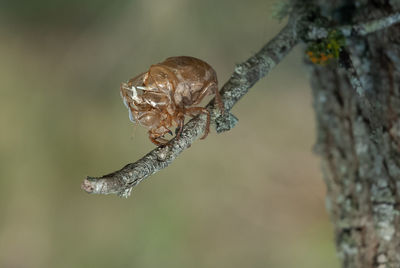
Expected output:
(252, 197)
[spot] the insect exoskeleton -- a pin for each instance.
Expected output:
(160, 98)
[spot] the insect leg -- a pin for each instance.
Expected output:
(156, 139)
(210, 88)
(181, 120)
(207, 90)
(218, 99)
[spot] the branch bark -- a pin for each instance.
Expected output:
(244, 77)
(360, 29)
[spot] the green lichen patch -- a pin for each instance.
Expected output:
(323, 50)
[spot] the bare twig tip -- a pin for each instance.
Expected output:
(87, 186)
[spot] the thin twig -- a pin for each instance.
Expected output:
(316, 32)
(244, 77)
(372, 26)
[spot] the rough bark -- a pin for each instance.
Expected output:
(358, 138)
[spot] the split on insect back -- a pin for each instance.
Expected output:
(160, 98)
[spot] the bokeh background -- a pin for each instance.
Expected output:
(252, 197)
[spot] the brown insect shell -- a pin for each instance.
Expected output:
(146, 103)
(192, 76)
(157, 98)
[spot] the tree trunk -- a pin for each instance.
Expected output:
(358, 139)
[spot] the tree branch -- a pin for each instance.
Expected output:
(371, 26)
(316, 32)
(244, 77)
